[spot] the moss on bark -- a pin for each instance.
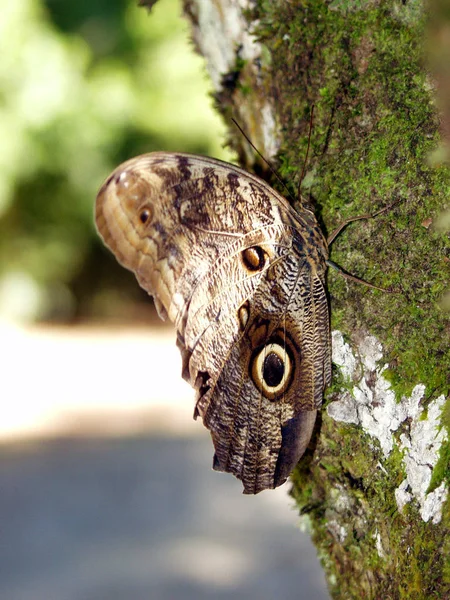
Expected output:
(361, 64)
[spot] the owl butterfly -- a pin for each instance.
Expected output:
(242, 277)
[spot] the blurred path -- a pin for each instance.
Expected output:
(144, 519)
(100, 379)
(92, 517)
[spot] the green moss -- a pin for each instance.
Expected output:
(441, 471)
(361, 65)
(351, 493)
(374, 126)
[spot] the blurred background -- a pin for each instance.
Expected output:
(106, 487)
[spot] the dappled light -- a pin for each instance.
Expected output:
(70, 111)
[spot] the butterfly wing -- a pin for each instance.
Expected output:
(242, 277)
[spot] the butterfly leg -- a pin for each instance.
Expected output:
(340, 270)
(338, 230)
(344, 224)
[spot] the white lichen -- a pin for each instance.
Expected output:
(402, 496)
(421, 449)
(342, 355)
(337, 513)
(269, 130)
(219, 30)
(373, 406)
(338, 531)
(379, 544)
(223, 36)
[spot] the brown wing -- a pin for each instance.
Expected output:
(242, 277)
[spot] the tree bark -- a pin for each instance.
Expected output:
(374, 485)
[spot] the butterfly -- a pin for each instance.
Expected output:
(241, 274)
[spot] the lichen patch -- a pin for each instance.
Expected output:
(373, 406)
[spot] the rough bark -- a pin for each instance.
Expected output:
(374, 485)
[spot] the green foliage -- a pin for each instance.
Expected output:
(83, 86)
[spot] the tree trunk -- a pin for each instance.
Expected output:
(375, 486)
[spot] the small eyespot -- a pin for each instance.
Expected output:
(271, 370)
(145, 215)
(243, 314)
(254, 258)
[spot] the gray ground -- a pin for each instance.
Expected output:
(143, 518)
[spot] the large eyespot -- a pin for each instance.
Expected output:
(271, 370)
(254, 258)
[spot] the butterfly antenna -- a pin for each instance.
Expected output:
(307, 152)
(264, 159)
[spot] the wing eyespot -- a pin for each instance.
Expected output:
(244, 314)
(271, 370)
(254, 258)
(145, 215)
